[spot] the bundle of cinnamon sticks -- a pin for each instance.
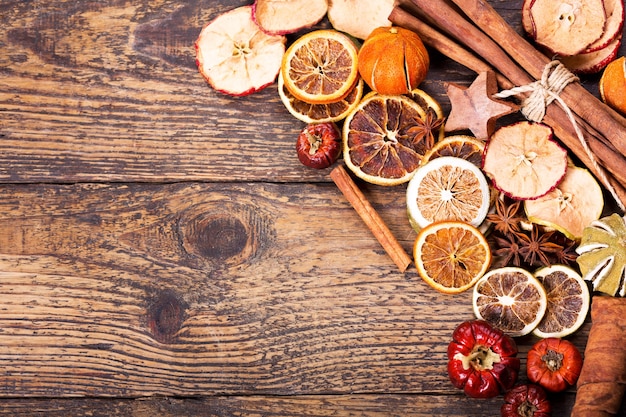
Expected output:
(472, 33)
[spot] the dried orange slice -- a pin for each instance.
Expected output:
(613, 85)
(602, 255)
(320, 113)
(511, 299)
(380, 145)
(568, 301)
(523, 160)
(448, 188)
(571, 206)
(320, 67)
(459, 146)
(451, 256)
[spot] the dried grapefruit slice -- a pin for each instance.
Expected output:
(320, 113)
(320, 67)
(235, 56)
(567, 27)
(379, 145)
(523, 160)
(568, 301)
(448, 188)
(511, 299)
(451, 256)
(460, 146)
(571, 206)
(602, 255)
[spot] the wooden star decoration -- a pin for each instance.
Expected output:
(474, 107)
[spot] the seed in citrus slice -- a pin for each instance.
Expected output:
(613, 85)
(235, 56)
(320, 67)
(320, 113)
(602, 255)
(460, 146)
(448, 188)
(568, 301)
(511, 299)
(571, 206)
(379, 145)
(523, 161)
(451, 256)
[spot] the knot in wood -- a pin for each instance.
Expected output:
(218, 238)
(165, 316)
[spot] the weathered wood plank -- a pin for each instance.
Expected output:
(396, 405)
(109, 91)
(204, 289)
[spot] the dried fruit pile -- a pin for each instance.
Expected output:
(499, 209)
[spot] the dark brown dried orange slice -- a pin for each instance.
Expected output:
(380, 139)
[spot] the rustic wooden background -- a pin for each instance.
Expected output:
(164, 253)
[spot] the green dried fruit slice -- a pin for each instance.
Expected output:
(602, 255)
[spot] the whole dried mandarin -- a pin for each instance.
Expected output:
(613, 85)
(393, 60)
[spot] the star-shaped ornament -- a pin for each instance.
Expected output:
(474, 107)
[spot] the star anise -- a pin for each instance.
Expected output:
(508, 250)
(506, 219)
(567, 255)
(536, 246)
(425, 128)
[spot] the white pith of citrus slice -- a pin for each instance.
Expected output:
(451, 256)
(511, 299)
(568, 301)
(602, 255)
(378, 145)
(523, 160)
(571, 206)
(320, 113)
(235, 56)
(448, 188)
(320, 67)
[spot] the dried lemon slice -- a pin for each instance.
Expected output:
(602, 255)
(511, 299)
(448, 188)
(568, 301)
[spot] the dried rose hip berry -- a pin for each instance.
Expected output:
(527, 400)
(319, 145)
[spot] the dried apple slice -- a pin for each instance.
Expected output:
(359, 18)
(567, 27)
(235, 56)
(593, 62)
(523, 161)
(614, 10)
(281, 17)
(571, 206)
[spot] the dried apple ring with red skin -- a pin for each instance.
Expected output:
(319, 145)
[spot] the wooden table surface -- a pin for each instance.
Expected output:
(164, 253)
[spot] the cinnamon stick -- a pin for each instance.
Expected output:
(602, 382)
(371, 218)
(446, 18)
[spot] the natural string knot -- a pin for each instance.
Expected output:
(554, 79)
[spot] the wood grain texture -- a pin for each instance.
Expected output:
(160, 254)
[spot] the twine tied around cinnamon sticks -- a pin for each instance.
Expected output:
(543, 92)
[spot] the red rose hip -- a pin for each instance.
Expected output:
(319, 145)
